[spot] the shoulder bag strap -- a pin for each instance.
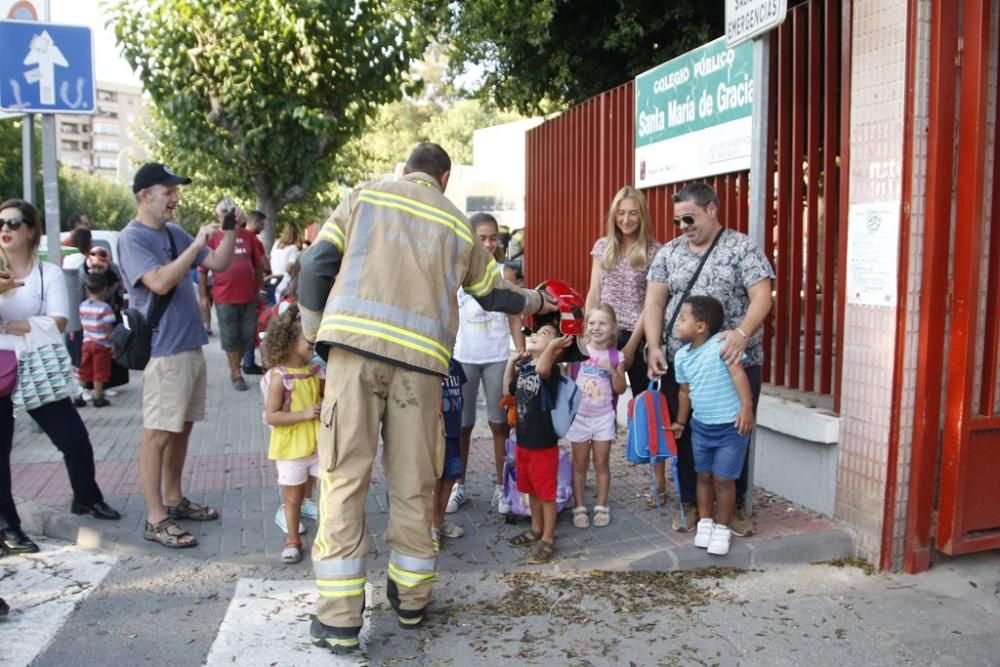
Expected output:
(160, 303)
(690, 285)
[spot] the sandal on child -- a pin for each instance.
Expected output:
(169, 534)
(186, 509)
(602, 515)
(292, 553)
(524, 539)
(651, 500)
(543, 553)
(580, 519)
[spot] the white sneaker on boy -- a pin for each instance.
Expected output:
(456, 499)
(309, 509)
(718, 545)
(503, 507)
(704, 534)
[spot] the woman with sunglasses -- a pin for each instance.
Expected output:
(38, 288)
(618, 276)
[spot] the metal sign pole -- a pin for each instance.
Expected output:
(50, 185)
(759, 206)
(28, 157)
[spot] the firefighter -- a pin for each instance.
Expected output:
(378, 290)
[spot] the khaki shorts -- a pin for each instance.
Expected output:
(173, 391)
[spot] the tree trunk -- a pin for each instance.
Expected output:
(268, 205)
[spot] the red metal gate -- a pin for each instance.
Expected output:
(578, 160)
(967, 435)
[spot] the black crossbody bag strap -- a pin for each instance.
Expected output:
(690, 285)
(160, 303)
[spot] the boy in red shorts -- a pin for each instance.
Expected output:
(537, 459)
(97, 320)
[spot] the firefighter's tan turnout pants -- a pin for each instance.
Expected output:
(363, 394)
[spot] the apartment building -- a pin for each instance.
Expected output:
(106, 143)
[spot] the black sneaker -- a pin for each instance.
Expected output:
(253, 370)
(79, 402)
(4, 609)
(101, 402)
(338, 640)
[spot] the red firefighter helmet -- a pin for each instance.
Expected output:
(570, 318)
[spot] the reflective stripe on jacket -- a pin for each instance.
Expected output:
(382, 276)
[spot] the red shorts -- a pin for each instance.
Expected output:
(95, 363)
(537, 471)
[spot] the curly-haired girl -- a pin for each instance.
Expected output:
(291, 407)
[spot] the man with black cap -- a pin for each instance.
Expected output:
(156, 260)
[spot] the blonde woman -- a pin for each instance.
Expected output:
(618, 277)
(283, 255)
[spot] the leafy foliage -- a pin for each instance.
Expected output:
(261, 95)
(536, 54)
(108, 204)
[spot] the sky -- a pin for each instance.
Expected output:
(108, 65)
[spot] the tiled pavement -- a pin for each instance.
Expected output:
(227, 467)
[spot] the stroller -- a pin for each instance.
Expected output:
(518, 501)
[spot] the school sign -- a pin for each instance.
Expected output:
(693, 115)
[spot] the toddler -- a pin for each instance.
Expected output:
(98, 321)
(719, 395)
(451, 414)
(601, 378)
(291, 407)
(526, 376)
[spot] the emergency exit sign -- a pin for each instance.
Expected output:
(746, 19)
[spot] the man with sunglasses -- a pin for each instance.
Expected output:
(737, 273)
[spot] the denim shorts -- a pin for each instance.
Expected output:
(718, 449)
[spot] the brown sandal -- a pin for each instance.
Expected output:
(524, 539)
(186, 509)
(169, 534)
(543, 553)
(651, 500)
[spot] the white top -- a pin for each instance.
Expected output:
(73, 262)
(282, 258)
(483, 336)
(23, 302)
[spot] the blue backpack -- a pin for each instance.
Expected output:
(564, 406)
(649, 440)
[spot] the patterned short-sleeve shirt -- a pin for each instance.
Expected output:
(734, 266)
(624, 288)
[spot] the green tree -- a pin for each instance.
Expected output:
(262, 94)
(108, 204)
(536, 54)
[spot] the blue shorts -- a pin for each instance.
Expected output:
(452, 459)
(718, 449)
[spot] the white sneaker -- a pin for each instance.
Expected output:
(282, 522)
(718, 545)
(310, 510)
(456, 499)
(448, 529)
(704, 534)
(110, 393)
(503, 507)
(86, 395)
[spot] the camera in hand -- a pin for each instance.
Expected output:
(229, 222)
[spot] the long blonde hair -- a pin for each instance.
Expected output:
(638, 256)
(289, 235)
(612, 318)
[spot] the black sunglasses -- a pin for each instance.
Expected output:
(684, 219)
(14, 224)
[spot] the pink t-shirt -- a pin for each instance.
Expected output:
(624, 288)
(596, 391)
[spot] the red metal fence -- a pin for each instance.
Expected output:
(579, 160)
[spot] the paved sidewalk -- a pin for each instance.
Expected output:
(228, 468)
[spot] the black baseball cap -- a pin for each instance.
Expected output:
(154, 173)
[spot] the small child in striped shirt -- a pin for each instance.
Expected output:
(98, 321)
(716, 403)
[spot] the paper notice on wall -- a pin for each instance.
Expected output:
(873, 254)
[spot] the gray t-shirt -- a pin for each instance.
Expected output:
(142, 249)
(735, 265)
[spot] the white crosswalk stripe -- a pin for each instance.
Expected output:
(267, 623)
(42, 590)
